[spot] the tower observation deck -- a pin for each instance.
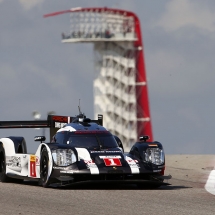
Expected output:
(120, 85)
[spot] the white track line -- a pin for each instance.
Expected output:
(210, 184)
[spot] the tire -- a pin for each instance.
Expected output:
(44, 168)
(3, 176)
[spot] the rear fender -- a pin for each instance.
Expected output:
(8, 146)
(19, 144)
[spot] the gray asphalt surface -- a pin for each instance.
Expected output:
(184, 196)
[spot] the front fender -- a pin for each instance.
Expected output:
(38, 154)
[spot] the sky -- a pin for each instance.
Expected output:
(38, 72)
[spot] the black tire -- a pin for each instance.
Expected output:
(3, 176)
(44, 168)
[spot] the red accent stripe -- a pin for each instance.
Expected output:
(60, 119)
(91, 132)
(32, 169)
(162, 171)
(56, 13)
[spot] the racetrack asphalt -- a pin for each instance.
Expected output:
(185, 195)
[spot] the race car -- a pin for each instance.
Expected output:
(80, 150)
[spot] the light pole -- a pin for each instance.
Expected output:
(36, 115)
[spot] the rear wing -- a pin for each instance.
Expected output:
(24, 124)
(54, 122)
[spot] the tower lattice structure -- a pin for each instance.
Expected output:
(120, 84)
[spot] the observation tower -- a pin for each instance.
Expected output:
(120, 84)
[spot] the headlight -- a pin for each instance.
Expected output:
(154, 155)
(63, 157)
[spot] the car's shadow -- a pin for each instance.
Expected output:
(118, 187)
(106, 186)
(112, 186)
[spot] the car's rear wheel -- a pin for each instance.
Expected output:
(44, 168)
(3, 176)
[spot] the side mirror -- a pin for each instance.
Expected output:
(40, 138)
(144, 138)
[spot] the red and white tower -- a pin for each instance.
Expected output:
(120, 84)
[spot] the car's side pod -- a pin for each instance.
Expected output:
(142, 145)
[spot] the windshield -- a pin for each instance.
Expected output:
(93, 141)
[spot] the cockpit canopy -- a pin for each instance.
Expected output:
(95, 140)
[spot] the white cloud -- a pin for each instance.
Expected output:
(187, 13)
(28, 4)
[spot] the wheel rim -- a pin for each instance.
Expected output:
(44, 171)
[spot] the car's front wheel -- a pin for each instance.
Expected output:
(44, 168)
